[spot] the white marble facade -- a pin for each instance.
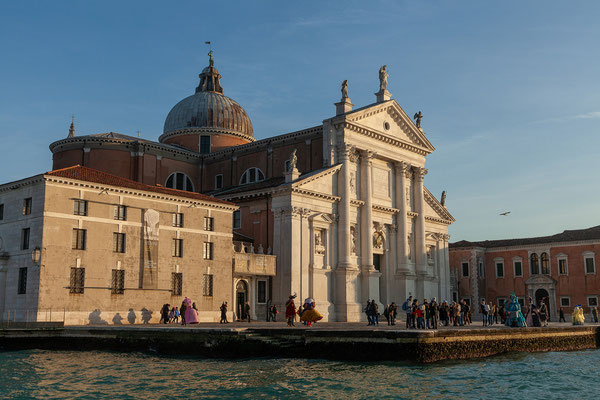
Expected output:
(364, 227)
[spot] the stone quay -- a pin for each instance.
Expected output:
(336, 341)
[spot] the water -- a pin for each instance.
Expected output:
(43, 374)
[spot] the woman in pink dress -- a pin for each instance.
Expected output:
(191, 316)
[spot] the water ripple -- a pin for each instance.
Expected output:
(37, 374)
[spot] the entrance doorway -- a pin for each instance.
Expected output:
(542, 295)
(241, 296)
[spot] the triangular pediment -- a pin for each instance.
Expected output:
(434, 209)
(318, 181)
(391, 121)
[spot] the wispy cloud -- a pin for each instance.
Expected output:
(589, 115)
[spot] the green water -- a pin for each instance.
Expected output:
(41, 374)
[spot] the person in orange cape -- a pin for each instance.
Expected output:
(310, 315)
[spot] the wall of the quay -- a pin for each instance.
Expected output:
(360, 345)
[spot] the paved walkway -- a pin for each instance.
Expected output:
(349, 326)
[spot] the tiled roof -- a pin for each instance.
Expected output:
(592, 233)
(91, 175)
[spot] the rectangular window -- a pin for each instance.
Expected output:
(77, 280)
(209, 224)
(204, 144)
(521, 301)
(121, 213)
(27, 206)
(22, 287)
(481, 270)
(25, 239)
(500, 301)
(467, 300)
(207, 285)
(237, 219)
(177, 250)
(261, 291)
(178, 220)
(500, 270)
(119, 242)
(80, 207)
(465, 269)
(118, 281)
(208, 251)
(518, 268)
(565, 302)
(176, 283)
(563, 268)
(590, 268)
(219, 181)
(79, 239)
(1, 212)
(454, 297)
(592, 301)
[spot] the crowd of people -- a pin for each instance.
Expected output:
(187, 312)
(425, 315)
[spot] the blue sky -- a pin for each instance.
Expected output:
(510, 90)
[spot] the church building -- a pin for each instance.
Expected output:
(338, 211)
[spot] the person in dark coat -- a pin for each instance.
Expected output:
(224, 313)
(247, 310)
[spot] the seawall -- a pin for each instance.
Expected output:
(338, 344)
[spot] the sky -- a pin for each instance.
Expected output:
(510, 91)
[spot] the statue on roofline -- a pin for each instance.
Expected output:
(211, 61)
(443, 200)
(345, 89)
(293, 161)
(383, 77)
(418, 117)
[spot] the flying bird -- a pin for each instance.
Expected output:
(505, 213)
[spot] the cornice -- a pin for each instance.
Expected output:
(362, 130)
(438, 220)
(357, 203)
(134, 192)
(437, 206)
(85, 140)
(328, 171)
(23, 182)
(318, 195)
(205, 131)
(385, 209)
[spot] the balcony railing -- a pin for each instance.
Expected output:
(248, 260)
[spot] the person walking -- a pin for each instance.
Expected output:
(275, 311)
(369, 313)
(561, 315)
(483, 309)
(247, 310)
(433, 311)
(595, 314)
(375, 312)
(182, 311)
(223, 313)
(407, 307)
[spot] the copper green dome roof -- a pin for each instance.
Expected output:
(208, 111)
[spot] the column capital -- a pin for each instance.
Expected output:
(419, 172)
(348, 151)
(401, 166)
(367, 155)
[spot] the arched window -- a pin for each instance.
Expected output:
(181, 181)
(535, 266)
(545, 261)
(252, 175)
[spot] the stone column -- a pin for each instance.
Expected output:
(366, 236)
(419, 236)
(345, 297)
(344, 210)
(402, 236)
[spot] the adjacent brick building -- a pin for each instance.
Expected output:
(561, 267)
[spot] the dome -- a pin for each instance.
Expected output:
(208, 111)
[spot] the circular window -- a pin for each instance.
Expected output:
(386, 125)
